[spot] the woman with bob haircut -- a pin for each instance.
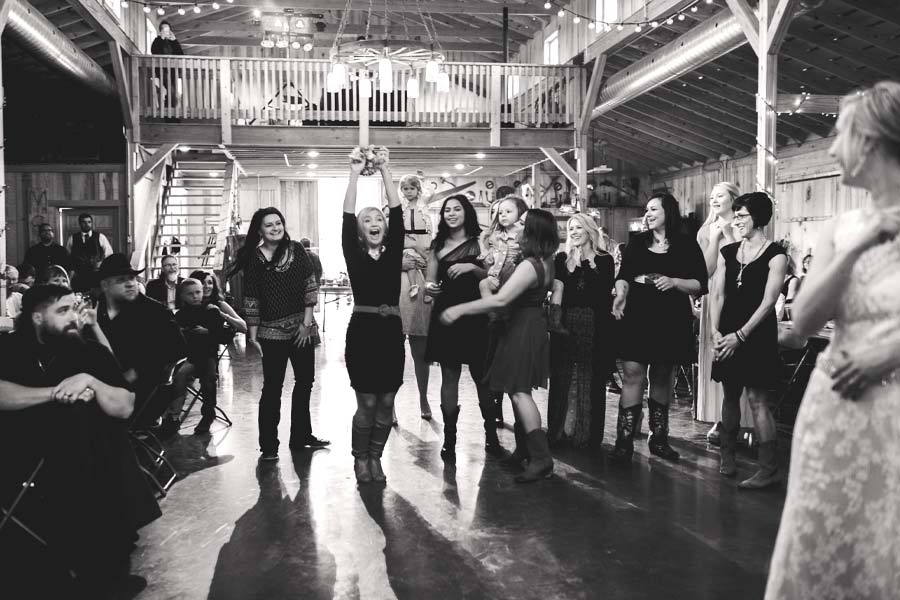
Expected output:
(454, 272)
(374, 352)
(840, 528)
(662, 267)
(746, 287)
(581, 350)
(280, 293)
(520, 361)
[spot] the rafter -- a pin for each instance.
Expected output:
(627, 141)
(459, 7)
(691, 141)
(858, 26)
(660, 142)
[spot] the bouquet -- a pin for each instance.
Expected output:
(373, 158)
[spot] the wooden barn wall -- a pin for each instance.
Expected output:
(808, 191)
(574, 38)
(35, 192)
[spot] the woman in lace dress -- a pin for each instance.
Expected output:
(840, 530)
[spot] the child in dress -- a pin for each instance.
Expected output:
(500, 243)
(417, 223)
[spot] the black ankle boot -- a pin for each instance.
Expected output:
(498, 403)
(448, 452)
(520, 454)
(659, 431)
(491, 441)
(625, 428)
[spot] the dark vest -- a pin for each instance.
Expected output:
(86, 255)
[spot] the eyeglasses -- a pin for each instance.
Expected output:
(742, 216)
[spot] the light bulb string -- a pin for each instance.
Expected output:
(673, 16)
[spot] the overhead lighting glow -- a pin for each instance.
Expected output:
(445, 175)
(459, 166)
(300, 24)
(547, 6)
(147, 9)
(196, 9)
(257, 13)
(216, 6)
(295, 45)
(213, 173)
(480, 155)
(694, 8)
(184, 148)
(412, 88)
(160, 11)
(124, 3)
(308, 46)
(312, 166)
(312, 153)
(576, 20)
(181, 12)
(561, 13)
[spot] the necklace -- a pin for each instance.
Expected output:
(743, 257)
(375, 253)
(663, 243)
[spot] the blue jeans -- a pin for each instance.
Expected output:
(276, 354)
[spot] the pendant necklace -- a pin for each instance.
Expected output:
(743, 256)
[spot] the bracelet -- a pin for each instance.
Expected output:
(740, 336)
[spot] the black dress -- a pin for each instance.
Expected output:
(464, 342)
(581, 361)
(374, 350)
(657, 327)
(755, 362)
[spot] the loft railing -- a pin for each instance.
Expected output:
(292, 92)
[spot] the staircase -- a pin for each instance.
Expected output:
(194, 209)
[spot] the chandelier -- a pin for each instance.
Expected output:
(382, 55)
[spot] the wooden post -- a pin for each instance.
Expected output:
(363, 116)
(225, 95)
(581, 167)
(4, 320)
(505, 34)
(495, 98)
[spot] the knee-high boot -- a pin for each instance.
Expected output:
(541, 464)
(768, 473)
(448, 452)
(659, 431)
(377, 441)
(520, 453)
(727, 447)
(626, 426)
(491, 441)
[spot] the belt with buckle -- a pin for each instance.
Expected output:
(382, 311)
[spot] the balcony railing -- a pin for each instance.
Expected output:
(292, 92)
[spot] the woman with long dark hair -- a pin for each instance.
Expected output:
(520, 359)
(280, 293)
(454, 272)
(212, 296)
(374, 353)
(661, 269)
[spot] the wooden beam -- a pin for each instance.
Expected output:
(883, 9)
(123, 86)
(631, 145)
(778, 24)
(812, 103)
(4, 318)
(858, 26)
(5, 5)
(198, 28)
(154, 160)
(100, 19)
(748, 21)
(611, 41)
(225, 93)
(458, 7)
(590, 100)
(560, 163)
(693, 138)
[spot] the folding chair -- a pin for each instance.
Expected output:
(8, 513)
(146, 444)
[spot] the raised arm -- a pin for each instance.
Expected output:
(350, 195)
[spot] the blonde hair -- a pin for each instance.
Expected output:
(732, 190)
(874, 113)
(359, 222)
(590, 226)
(410, 179)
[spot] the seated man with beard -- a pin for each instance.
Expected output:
(63, 400)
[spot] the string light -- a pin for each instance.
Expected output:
(197, 9)
(215, 6)
(146, 9)
(181, 12)
(601, 25)
(160, 11)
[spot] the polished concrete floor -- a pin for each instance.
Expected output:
(233, 528)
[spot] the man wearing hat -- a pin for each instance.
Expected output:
(143, 334)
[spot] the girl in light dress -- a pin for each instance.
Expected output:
(418, 235)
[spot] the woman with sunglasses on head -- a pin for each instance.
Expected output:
(748, 280)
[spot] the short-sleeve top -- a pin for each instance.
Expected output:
(374, 282)
(586, 286)
(684, 260)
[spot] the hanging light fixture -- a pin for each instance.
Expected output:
(267, 43)
(281, 43)
(339, 70)
(332, 83)
(295, 45)
(432, 70)
(216, 6)
(443, 82)
(146, 9)
(365, 85)
(160, 11)
(124, 3)
(412, 87)
(385, 75)
(308, 46)
(181, 12)
(197, 9)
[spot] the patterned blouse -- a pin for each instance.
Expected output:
(276, 296)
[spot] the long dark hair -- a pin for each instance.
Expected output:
(471, 226)
(540, 236)
(252, 241)
(673, 218)
(215, 296)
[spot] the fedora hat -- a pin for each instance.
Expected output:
(115, 265)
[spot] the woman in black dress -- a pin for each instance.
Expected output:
(454, 272)
(520, 359)
(661, 269)
(581, 349)
(748, 280)
(374, 353)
